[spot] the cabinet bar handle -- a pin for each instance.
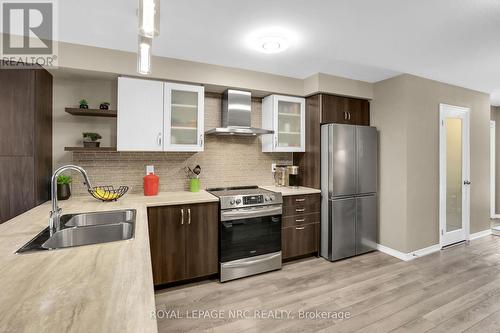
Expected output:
(182, 215)
(300, 228)
(300, 220)
(300, 210)
(189, 215)
(159, 139)
(300, 200)
(201, 140)
(345, 115)
(349, 115)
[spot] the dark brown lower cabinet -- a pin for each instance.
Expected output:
(183, 241)
(300, 240)
(301, 220)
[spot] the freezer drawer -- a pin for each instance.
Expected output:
(366, 224)
(366, 159)
(342, 228)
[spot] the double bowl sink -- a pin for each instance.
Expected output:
(85, 229)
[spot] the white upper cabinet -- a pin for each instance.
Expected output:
(140, 115)
(184, 117)
(159, 116)
(284, 115)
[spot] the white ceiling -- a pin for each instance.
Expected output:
(454, 41)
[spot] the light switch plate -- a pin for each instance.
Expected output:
(273, 167)
(150, 169)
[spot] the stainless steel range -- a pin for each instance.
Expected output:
(249, 231)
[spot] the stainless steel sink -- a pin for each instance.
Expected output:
(85, 229)
(98, 218)
(96, 234)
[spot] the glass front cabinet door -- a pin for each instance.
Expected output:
(183, 123)
(284, 115)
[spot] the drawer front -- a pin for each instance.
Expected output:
(293, 221)
(301, 209)
(300, 240)
(306, 199)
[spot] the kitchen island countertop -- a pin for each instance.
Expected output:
(96, 288)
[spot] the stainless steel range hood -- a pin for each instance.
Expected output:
(236, 115)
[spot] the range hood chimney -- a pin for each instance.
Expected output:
(236, 115)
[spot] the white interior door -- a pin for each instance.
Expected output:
(454, 174)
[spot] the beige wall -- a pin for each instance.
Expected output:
(214, 77)
(68, 129)
(226, 161)
(389, 116)
(416, 102)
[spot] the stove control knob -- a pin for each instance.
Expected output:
(231, 202)
(271, 198)
(266, 198)
(238, 201)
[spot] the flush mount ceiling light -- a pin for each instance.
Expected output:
(273, 44)
(271, 40)
(149, 18)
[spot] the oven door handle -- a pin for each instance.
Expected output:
(246, 262)
(250, 212)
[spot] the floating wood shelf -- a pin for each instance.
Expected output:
(90, 149)
(91, 112)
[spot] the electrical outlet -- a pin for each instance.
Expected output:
(150, 169)
(273, 167)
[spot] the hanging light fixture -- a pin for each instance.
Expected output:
(149, 18)
(144, 55)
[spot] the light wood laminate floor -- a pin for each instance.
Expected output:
(455, 290)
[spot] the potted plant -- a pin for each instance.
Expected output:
(63, 189)
(104, 106)
(90, 140)
(84, 104)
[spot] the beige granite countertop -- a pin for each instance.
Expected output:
(292, 191)
(95, 288)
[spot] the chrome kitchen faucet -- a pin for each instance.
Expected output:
(55, 213)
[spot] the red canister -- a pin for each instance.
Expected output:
(151, 184)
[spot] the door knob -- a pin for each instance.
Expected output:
(466, 182)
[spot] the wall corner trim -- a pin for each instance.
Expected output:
(411, 255)
(480, 234)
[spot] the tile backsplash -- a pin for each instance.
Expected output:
(226, 161)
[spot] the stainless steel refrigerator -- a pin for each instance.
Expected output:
(349, 209)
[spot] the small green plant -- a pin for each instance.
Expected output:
(92, 136)
(83, 102)
(64, 180)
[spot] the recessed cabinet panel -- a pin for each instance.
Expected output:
(286, 117)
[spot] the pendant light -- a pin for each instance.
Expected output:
(149, 18)
(144, 55)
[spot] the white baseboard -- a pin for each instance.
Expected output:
(496, 216)
(411, 255)
(480, 234)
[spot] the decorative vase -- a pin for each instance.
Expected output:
(84, 106)
(91, 144)
(63, 191)
(104, 106)
(194, 185)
